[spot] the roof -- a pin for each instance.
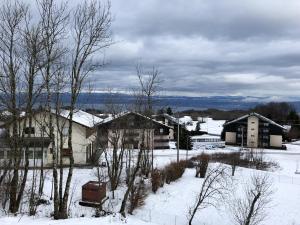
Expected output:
(257, 115)
(80, 117)
(109, 119)
(83, 118)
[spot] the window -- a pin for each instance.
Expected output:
(88, 152)
(29, 130)
(253, 122)
(38, 154)
(161, 130)
(35, 154)
(252, 128)
(30, 155)
(1, 154)
(66, 152)
(10, 154)
(266, 124)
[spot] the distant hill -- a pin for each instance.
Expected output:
(178, 103)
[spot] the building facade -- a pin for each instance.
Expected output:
(255, 131)
(132, 130)
(37, 141)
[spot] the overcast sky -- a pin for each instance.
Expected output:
(206, 47)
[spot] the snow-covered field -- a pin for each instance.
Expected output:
(171, 203)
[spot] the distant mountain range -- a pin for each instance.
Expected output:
(178, 103)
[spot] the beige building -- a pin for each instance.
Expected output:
(254, 130)
(36, 137)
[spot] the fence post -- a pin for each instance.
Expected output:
(175, 219)
(150, 216)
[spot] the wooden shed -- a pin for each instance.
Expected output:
(94, 191)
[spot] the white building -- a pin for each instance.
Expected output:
(207, 141)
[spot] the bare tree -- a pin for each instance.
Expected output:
(135, 168)
(250, 209)
(12, 17)
(234, 161)
(32, 61)
(53, 22)
(114, 147)
(149, 86)
(215, 188)
(91, 23)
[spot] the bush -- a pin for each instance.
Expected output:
(137, 196)
(250, 159)
(202, 164)
(190, 164)
(156, 180)
(174, 171)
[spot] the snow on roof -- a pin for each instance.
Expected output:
(112, 117)
(82, 117)
(108, 119)
(257, 115)
(210, 126)
(213, 127)
(185, 119)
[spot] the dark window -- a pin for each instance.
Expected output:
(66, 152)
(1, 154)
(10, 154)
(35, 154)
(30, 155)
(38, 154)
(29, 130)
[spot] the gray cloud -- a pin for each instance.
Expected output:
(206, 47)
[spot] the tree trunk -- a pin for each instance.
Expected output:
(130, 185)
(250, 214)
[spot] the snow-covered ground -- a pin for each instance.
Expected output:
(171, 203)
